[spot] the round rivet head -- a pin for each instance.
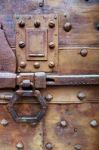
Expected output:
(63, 123)
(49, 146)
(81, 95)
(21, 24)
(19, 145)
(94, 123)
(51, 24)
(48, 97)
(41, 4)
(67, 26)
(4, 122)
(77, 147)
(84, 52)
(97, 26)
(51, 45)
(23, 64)
(37, 24)
(51, 64)
(37, 65)
(21, 44)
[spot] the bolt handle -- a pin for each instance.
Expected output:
(27, 119)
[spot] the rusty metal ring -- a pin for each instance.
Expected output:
(28, 119)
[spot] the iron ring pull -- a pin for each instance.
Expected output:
(28, 119)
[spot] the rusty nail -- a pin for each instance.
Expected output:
(51, 45)
(51, 64)
(21, 24)
(37, 24)
(19, 145)
(63, 123)
(78, 147)
(49, 146)
(21, 44)
(51, 24)
(49, 97)
(93, 123)
(81, 95)
(83, 52)
(4, 122)
(22, 64)
(37, 65)
(67, 27)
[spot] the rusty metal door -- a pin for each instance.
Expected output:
(49, 75)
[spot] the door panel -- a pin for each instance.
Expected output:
(72, 61)
(13, 133)
(78, 132)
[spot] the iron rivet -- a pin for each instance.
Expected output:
(63, 123)
(51, 64)
(17, 17)
(81, 95)
(22, 64)
(4, 122)
(78, 147)
(37, 24)
(19, 145)
(49, 146)
(49, 97)
(21, 44)
(41, 4)
(93, 123)
(51, 45)
(37, 65)
(67, 27)
(97, 26)
(51, 24)
(21, 24)
(84, 52)
(65, 15)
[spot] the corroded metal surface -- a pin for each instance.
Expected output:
(13, 132)
(60, 38)
(77, 132)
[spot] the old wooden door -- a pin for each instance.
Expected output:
(49, 74)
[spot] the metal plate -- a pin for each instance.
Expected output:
(12, 133)
(78, 130)
(37, 40)
(71, 61)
